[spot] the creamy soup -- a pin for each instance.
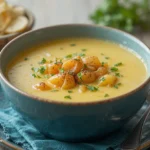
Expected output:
(76, 70)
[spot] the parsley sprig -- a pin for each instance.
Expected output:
(125, 15)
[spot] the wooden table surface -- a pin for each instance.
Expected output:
(52, 12)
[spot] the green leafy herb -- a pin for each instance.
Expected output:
(85, 66)
(54, 90)
(34, 75)
(50, 61)
(118, 74)
(106, 95)
(118, 64)
(92, 88)
(129, 15)
(35, 69)
(58, 61)
(42, 69)
(102, 79)
(26, 58)
(114, 69)
(47, 76)
(61, 70)
(70, 91)
(68, 56)
(84, 50)
(107, 57)
(79, 75)
(43, 61)
(117, 85)
(38, 76)
(81, 54)
(67, 97)
(72, 44)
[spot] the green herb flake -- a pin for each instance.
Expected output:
(84, 50)
(35, 69)
(102, 53)
(61, 70)
(34, 75)
(72, 44)
(82, 55)
(79, 75)
(118, 64)
(85, 66)
(70, 91)
(107, 57)
(92, 88)
(117, 85)
(68, 56)
(51, 61)
(47, 76)
(42, 69)
(54, 90)
(106, 95)
(61, 48)
(43, 61)
(67, 97)
(26, 58)
(102, 79)
(114, 69)
(117, 74)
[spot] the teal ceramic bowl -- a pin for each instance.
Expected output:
(75, 121)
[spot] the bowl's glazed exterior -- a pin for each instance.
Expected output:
(75, 121)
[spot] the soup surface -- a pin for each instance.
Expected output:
(27, 71)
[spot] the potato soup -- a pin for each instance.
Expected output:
(76, 70)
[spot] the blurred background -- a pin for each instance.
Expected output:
(128, 15)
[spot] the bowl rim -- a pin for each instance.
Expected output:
(31, 23)
(72, 103)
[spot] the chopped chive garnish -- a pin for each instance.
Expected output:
(68, 56)
(85, 66)
(42, 69)
(26, 58)
(102, 79)
(81, 54)
(117, 85)
(118, 64)
(35, 69)
(70, 91)
(67, 97)
(103, 64)
(47, 76)
(61, 70)
(72, 44)
(118, 74)
(92, 88)
(34, 75)
(43, 61)
(54, 90)
(79, 75)
(83, 50)
(114, 69)
(102, 53)
(107, 57)
(50, 61)
(106, 95)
